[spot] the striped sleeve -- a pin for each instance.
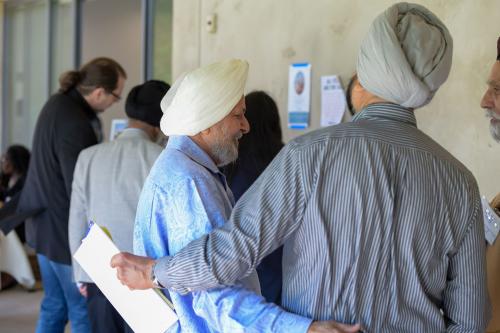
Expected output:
(465, 299)
(267, 214)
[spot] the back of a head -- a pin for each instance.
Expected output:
(265, 136)
(143, 102)
(99, 72)
(405, 56)
(19, 157)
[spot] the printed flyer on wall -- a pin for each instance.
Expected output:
(299, 95)
(333, 102)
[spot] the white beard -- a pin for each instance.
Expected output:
(494, 126)
(495, 131)
(225, 149)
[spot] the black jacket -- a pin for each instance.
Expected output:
(64, 128)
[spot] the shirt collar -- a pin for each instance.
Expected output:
(133, 132)
(387, 111)
(188, 147)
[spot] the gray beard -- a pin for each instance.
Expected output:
(495, 131)
(494, 127)
(225, 150)
(224, 154)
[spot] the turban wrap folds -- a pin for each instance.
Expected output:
(406, 55)
(201, 98)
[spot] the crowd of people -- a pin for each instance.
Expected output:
(369, 225)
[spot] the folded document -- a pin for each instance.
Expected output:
(145, 311)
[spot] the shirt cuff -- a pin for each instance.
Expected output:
(161, 272)
(164, 271)
(292, 323)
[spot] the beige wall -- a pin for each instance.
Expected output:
(326, 33)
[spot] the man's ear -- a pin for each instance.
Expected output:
(357, 87)
(206, 131)
(99, 92)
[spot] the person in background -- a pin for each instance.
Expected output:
(491, 104)
(256, 150)
(67, 124)
(13, 169)
(106, 186)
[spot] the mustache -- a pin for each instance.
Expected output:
(489, 113)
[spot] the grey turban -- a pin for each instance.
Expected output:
(406, 55)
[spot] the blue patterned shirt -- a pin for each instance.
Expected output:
(185, 196)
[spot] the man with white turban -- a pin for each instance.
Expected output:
(381, 225)
(186, 195)
(491, 104)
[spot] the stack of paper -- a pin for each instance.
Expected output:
(145, 311)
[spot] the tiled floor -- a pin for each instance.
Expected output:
(19, 310)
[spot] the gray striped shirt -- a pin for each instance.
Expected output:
(381, 226)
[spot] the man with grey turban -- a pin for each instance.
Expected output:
(186, 195)
(381, 225)
(491, 104)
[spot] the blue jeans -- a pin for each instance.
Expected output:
(61, 300)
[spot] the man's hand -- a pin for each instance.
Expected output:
(133, 271)
(332, 327)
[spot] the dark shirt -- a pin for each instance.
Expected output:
(7, 195)
(64, 128)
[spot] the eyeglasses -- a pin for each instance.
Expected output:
(118, 97)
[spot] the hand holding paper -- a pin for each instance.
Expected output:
(144, 310)
(133, 271)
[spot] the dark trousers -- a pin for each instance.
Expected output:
(103, 316)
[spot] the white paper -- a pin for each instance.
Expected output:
(491, 222)
(145, 311)
(299, 95)
(333, 102)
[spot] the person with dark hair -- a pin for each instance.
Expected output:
(259, 146)
(13, 169)
(256, 150)
(67, 124)
(491, 104)
(106, 186)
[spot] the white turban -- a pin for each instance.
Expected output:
(406, 55)
(203, 97)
